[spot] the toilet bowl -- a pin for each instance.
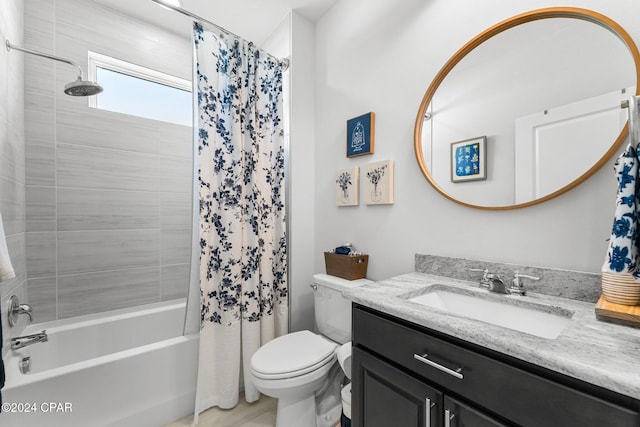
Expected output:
(293, 367)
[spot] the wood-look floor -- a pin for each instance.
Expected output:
(257, 414)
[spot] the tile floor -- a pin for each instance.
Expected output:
(257, 414)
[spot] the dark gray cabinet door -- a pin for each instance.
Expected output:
(384, 396)
(458, 414)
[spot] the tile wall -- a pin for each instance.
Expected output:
(108, 196)
(12, 152)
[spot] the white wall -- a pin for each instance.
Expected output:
(381, 56)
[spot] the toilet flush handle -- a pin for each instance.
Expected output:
(313, 286)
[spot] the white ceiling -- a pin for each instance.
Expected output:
(254, 20)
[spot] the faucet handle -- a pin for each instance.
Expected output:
(517, 286)
(517, 276)
(486, 276)
(14, 308)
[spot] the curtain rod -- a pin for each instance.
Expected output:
(284, 62)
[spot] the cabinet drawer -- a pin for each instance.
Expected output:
(517, 395)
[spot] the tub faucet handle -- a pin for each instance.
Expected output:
(14, 309)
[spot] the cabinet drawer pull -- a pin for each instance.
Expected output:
(456, 373)
(448, 416)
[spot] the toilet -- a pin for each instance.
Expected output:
(294, 366)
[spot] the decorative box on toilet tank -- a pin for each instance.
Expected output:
(350, 267)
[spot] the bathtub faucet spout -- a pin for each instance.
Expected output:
(19, 342)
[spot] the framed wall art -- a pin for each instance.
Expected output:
(469, 160)
(346, 186)
(360, 135)
(378, 183)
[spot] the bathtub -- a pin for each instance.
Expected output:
(128, 367)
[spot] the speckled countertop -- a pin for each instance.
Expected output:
(600, 353)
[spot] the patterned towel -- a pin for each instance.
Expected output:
(622, 254)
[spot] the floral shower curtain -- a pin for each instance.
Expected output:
(243, 280)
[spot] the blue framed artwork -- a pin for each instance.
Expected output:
(360, 132)
(469, 160)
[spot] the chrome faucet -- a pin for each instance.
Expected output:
(494, 283)
(14, 309)
(491, 281)
(19, 342)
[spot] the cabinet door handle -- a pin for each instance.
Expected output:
(456, 373)
(427, 411)
(448, 416)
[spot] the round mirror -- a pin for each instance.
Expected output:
(528, 109)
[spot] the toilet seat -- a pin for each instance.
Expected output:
(292, 355)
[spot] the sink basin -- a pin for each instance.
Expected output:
(525, 319)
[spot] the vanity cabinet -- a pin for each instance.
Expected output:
(408, 375)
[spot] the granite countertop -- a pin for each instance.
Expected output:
(596, 352)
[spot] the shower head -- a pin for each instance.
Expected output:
(80, 87)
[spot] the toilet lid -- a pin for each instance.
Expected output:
(292, 354)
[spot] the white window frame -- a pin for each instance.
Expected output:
(109, 63)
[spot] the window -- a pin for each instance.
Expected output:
(139, 91)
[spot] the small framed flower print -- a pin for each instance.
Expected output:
(346, 185)
(378, 186)
(469, 160)
(360, 133)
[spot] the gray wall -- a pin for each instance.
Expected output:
(108, 196)
(12, 150)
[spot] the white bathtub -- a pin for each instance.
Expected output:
(128, 367)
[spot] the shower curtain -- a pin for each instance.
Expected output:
(243, 268)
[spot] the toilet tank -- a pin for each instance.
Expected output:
(333, 311)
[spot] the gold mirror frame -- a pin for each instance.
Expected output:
(552, 12)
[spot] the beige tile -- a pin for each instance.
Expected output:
(39, 117)
(174, 281)
(176, 141)
(41, 254)
(80, 294)
(12, 152)
(95, 209)
(41, 208)
(175, 210)
(40, 162)
(92, 251)
(176, 246)
(176, 174)
(38, 24)
(88, 167)
(105, 129)
(42, 296)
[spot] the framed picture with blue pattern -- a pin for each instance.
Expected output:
(469, 160)
(360, 132)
